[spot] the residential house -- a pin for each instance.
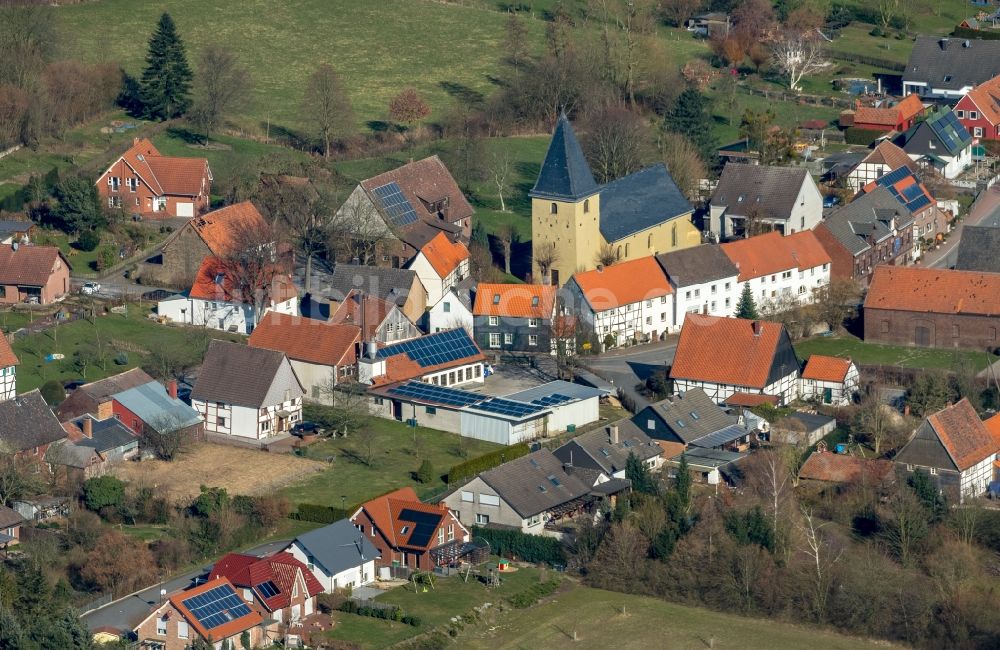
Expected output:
(449, 358)
(441, 264)
(711, 466)
(411, 534)
(884, 158)
(515, 317)
(8, 370)
(846, 470)
(872, 229)
(731, 355)
(339, 555)
(929, 222)
(955, 448)
(28, 427)
(693, 419)
(406, 208)
(97, 397)
(625, 302)
(704, 281)
(453, 311)
(10, 527)
(890, 116)
(943, 68)
(380, 320)
(322, 354)
(219, 299)
(709, 24)
(830, 380)
(247, 392)
(213, 611)
(977, 249)
(931, 307)
(92, 447)
(780, 269)
(20, 230)
(939, 143)
(607, 449)
(143, 181)
(979, 110)
(401, 287)
(575, 219)
(750, 199)
(33, 274)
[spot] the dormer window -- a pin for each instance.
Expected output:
(947, 78)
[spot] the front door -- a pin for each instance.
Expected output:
(827, 395)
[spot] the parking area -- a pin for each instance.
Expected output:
(512, 378)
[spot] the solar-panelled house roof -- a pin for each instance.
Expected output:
(434, 349)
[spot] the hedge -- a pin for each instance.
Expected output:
(981, 34)
(854, 135)
(530, 548)
(482, 463)
(319, 514)
(384, 612)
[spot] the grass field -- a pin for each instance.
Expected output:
(861, 352)
(393, 465)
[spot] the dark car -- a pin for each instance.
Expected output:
(306, 429)
(830, 200)
(71, 386)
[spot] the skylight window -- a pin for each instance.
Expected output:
(496, 299)
(534, 301)
(694, 415)
(680, 423)
(553, 480)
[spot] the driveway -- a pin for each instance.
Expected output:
(987, 203)
(629, 366)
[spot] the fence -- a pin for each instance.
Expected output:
(809, 100)
(874, 61)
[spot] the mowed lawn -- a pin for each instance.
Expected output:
(395, 461)
(379, 48)
(890, 355)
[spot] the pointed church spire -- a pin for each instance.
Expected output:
(565, 174)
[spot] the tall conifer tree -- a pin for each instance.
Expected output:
(747, 308)
(166, 81)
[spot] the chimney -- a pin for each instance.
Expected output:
(88, 427)
(613, 434)
(758, 327)
(172, 388)
(600, 268)
(944, 43)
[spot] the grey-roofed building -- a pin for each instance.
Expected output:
(640, 201)
(572, 405)
(156, 409)
(11, 231)
(565, 174)
(799, 428)
(704, 280)
(870, 230)
(401, 287)
(684, 418)
(339, 555)
(93, 446)
(96, 397)
(709, 465)
(785, 199)
(607, 449)
(979, 249)
(939, 142)
(28, 426)
(10, 527)
(247, 392)
(948, 68)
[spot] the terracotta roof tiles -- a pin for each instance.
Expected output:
(166, 174)
(306, 339)
(515, 300)
(624, 283)
(933, 290)
(375, 312)
(731, 351)
(230, 628)
(213, 282)
(887, 153)
(965, 437)
(841, 468)
(28, 264)
(249, 571)
(7, 356)
(773, 253)
(444, 255)
(822, 368)
(751, 400)
(986, 97)
(385, 512)
(220, 228)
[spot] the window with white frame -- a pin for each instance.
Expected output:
(532, 322)
(535, 520)
(494, 340)
(489, 500)
(532, 339)
(960, 114)
(494, 320)
(977, 131)
(451, 532)
(114, 183)
(973, 115)
(161, 626)
(482, 519)
(133, 184)
(440, 536)
(182, 629)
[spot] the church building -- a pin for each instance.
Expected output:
(573, 218)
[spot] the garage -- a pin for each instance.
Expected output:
(185, 209)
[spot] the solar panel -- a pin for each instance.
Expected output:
(395, 204)
(552, 400)
(439, 394)
(216, 606)
(268, 589)
(434, 349)
(424, 525)
(509, 408)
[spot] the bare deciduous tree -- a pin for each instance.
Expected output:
(887, 10)
(304, 213)
(408, 107)
(905, 524)
(500, 170)
(873, 419)
(326, 105)
(546, 256)
(821, 556)
(614, 141)
(798, 55)
(221, 84)
(250, 267)
(506, 236)
(606, 255)
(676, 12)
(770, 479)
(17, 477)
(357, 230)
(683, 162)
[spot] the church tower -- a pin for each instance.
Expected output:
(565, 208)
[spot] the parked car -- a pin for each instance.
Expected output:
(830, 200)
(71, 386)
(306, 429)
(90, 288)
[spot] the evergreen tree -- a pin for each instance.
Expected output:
(928, 494)
(682, 483)
(426, 472)
(638, 473)
(747, 308)
(79, 207)
(166, 81)
(690, 117)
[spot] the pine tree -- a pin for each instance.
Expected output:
(690, 116)
(638, 473)
(166, 81)
(747, 308)
(682, 483)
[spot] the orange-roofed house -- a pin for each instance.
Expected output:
(781, 270)
(409, 533)
(979, 110)
(724, 356)
(898, 117)
(381, 321)
(144, 182)
(32, 274)
(955, 448)
(932, 308)
(441, 264)
(830, 380)
(629, 301)
(214, 611)
(514, 317)
(844, 469)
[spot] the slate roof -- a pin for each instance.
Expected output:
(609, 455)
(640, 201)
(337, 547)
(773, 252)
(238, 374)
(281, 569)
(307, 339)
(906, 188)
(9, 517)
(29, 265)
(157, 408)
(515, 300)
(527, 484)
(565, 174)
(386, 283)
(689, 416)
(959, 136)
(771, 190)
(933, 290)
(424, 182)
(375, 311)
(979, 249)
(867, 216)
(624, 283)
(26, 421)
(106, 435)
(842, 468)
(932, 59)
(698, 264)
(823, 368)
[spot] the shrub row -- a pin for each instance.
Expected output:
(319, 514)
(384, 612)
(530, 548)
(982, 34)
(488, 461)
(533, 594)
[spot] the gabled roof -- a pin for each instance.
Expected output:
(906, 188)
(986, 97)
(337, 547)
(221, 229)
(28, 265)
(867, 216)
(237, 374)
(419, 185)
(771, 191)
(227, 622)
(690, 416)
(948, 64)
(842, 468)
(963, 435)
(822, 368)
(534, 483)
(7, 356)
(610, 456)
(444, 255)
(698, 264)
(106, 435)
(404, 520)
(942, 128)
(9, 517)
(214, 282)
(307, 339)
(515, 300)
(640, 201)
(978, 248)
(104, 388)
(26, 421)
(733, 351)
(773, 253)
(166, 174)
(358, 309)
(933, 290)
(623, 283)
(565, 174)
(903, 111)
(887, 153)
(386, 283)
(282, 570)
(427, 354)
(157, 408)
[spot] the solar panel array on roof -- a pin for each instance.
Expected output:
(439, 394)
(395, 204)
(268, 589)
(424, 525)
(951, 132)
(509, 407)
(912, 196)
(434, 349)
(217, 607)
(552, 400)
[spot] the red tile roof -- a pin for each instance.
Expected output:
(993, 426)
(933, 290)
(905, 110)
(422, 182)
(306, 339)
(729, 351)
(772, 253)
(166, 174)
(963, 434)
(887, 153)
(515, 300)
(213, 283)
(750, 400)
(986, 97)
(623, 283)
(248, 571)
(7, 356)
(821, 368)
(376, 311)
(842, 468)
(444, 255)
(29, 265)
(385, 511)
(223, 631)
(221, 228)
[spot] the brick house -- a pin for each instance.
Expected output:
(934, 308)
(514, 317)
(929, 222)
(144, 182)
(28, 273)
(979, 110)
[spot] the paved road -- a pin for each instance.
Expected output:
(985, 205)
(126, 613)
(629, 366)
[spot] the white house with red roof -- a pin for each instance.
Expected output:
(449, 358)
(883, 159)
(441, 264)
(143, 181)
(8, 370)
(780, 269)
(830, 380)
